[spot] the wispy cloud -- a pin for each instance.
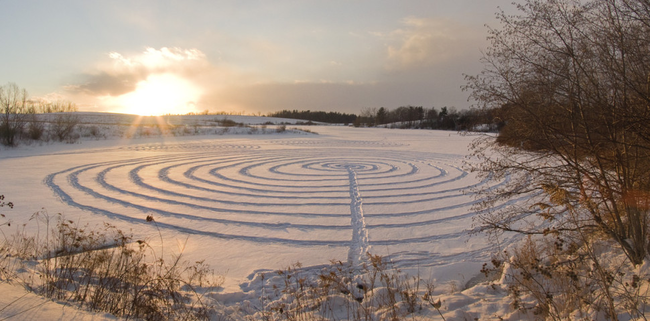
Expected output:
(423, 42)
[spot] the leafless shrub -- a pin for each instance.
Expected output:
(35, 128)
(92, 131)
(575, 113)
(225, 122)
(13, 113)
(308, 131)
(62, 128)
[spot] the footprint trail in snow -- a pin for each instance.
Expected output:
(359, 246)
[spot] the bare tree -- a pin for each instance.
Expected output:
(13, 104)
(572, 82)
(368, 116)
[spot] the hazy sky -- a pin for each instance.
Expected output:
(252, 56)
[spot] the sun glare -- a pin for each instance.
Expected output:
(160, 95)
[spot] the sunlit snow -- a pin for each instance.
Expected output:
(249, 204)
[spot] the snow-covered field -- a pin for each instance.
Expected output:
(255, 203)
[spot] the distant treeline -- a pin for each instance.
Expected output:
(416, 117)
(319, 116)
(429, 118)
(419, 117)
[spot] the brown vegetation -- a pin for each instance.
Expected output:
(571, 82)
(104, 269)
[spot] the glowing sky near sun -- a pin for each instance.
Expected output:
(153, 57)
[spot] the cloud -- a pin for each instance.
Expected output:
(425, 42)
(164, 59)
(106, 84)
(121, 74)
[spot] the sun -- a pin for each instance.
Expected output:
(159, 95)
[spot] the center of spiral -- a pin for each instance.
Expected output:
(358, 167)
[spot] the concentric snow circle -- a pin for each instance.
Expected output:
(297, 197)
(186, 147)
(343, 166)
(339, 143)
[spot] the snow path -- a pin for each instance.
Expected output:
(359, 247)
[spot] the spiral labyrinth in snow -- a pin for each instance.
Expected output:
(300, 196)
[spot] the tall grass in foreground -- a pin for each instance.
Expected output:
(104, 269)
(378, 291)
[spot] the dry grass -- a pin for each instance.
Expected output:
(377, 292)
(104, 269)
(557, 278)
